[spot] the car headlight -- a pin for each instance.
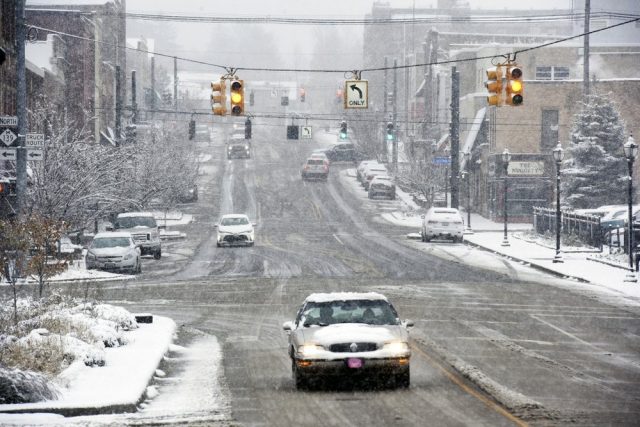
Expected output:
(129, 255)
(396, 347)
(310, 350)
(246, 147)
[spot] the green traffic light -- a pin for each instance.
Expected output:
(389, 137)
(343, 135)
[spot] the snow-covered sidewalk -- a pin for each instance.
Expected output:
(118, 386)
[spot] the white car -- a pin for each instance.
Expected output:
(442, 223)
(235, 229)
(347, 335)
(382, 185)
(114, 251)
(362, 166)
(370, 171)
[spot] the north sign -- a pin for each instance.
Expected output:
(356, 94)
(10, 121)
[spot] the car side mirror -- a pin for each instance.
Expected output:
(215, 225)
(408, 323)
(287, 326)
(254, 223)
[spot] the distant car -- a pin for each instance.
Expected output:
(442, 223)
(143, 229)
(343, 152)
(190, 194)
(238, 149)
(370, 171)
(382, 185)
(617, 217)
(235, 229)
(348, 335)
(315, 168)
(362, 166)
(114, 251)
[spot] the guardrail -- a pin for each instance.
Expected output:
(586, 228)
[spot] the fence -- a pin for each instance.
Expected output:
(584, 227)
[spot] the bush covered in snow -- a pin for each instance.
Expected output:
(21, 387)
(53, 333)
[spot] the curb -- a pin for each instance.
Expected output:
(610, 264)
(529, 263)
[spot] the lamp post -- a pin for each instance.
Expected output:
(630, 152)
(506, 158)
(467, 173)
(558, 155)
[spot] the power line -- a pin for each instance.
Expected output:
(343, 71)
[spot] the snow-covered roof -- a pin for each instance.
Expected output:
(68, 2)
(344, 296)
(234, 216)
(473, 134)
(135, 214)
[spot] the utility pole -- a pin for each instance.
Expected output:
(134, 104)
(153, 85)
(21, 106)
(585, 77)
(407, 103)
(118, 106)
(385, 102)
(175, 83)
(455, 136)
(394, 149)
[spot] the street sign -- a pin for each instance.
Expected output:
(292, 132)
(356, 94)
(442, 160)
(8, 153)
(35, 155)
(8, 137)
(35, 140)
(10, 121)
(306, 132)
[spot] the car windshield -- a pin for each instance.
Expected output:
(135, 221)
(234, 221)
(315, 162)
(371, 312)
(111, 242)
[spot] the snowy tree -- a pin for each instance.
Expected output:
(595, 172)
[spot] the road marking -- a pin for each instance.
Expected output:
(453, 378)
(338, 239)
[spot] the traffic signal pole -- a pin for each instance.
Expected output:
(455, 137)
(394, 145)
(21, 104)
(384, 103)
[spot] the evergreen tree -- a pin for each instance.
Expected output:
(595, 173)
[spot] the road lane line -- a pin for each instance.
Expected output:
(482, 398)
(339, 241)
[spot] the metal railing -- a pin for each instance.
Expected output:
(584, 228)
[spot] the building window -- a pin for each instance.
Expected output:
(552, 73)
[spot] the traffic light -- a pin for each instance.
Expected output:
(192, 129)
(339, 96)
(343, 130)
(219, 98)
(4, 188)
(3, 55)
(390, 131)
(247, 129)
(237, 97)
(494, 86)
(515, 87)
(302, 94)
(251, 99)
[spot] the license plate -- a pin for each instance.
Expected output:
(445, 224)
(354, 363)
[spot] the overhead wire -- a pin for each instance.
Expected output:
(343, 71)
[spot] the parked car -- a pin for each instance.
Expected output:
(345, 335)
(362, 166)
(382, 185)
(371, 171)
(442, 223)
(190, 194)
(617, 217)
(315, 168)
(114, 251)
(143, 229)
(235, 229)
(238, 149)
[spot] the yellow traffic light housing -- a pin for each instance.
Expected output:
(494, 86)
(219, 98)
(514, 87)
(237, 97)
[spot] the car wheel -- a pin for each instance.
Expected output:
(157, 254)
(403, 380)
(138, 267)
(369, 196)
(218, 244)
(251, 244)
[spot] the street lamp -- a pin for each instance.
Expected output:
(630, 152)
(467, 175)
(558, 155)
(506, 158)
